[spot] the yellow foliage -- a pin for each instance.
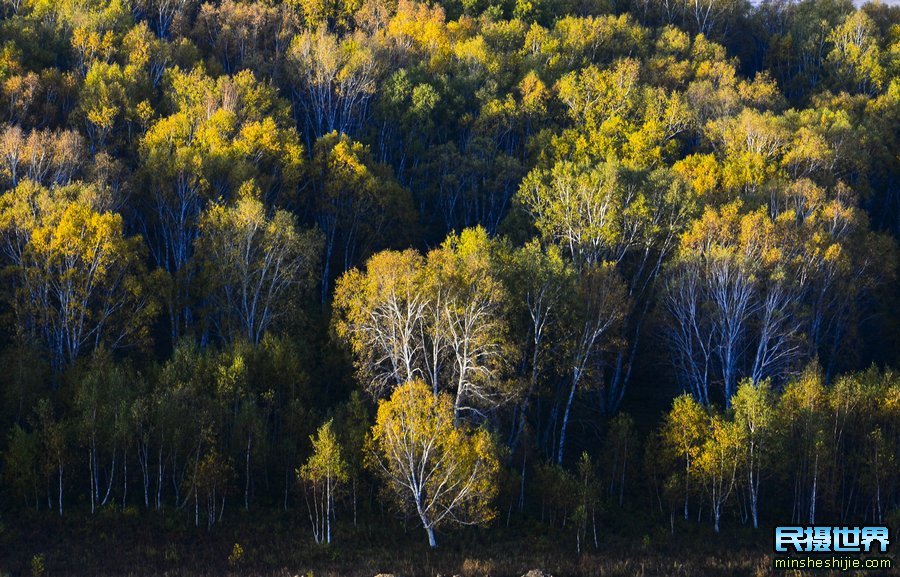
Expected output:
(419, 450)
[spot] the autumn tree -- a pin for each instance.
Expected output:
(524, 207)
(333, 80)
(42, 156)
(721, 275)
(79, 281)
(251, 35)
(164, 14)
(355, 202)
(607, 214)
(332, 15)
(440, 319)
(468, 340)
(381, 314)
(539, 282)
(803, 425)
(855, 59)
(103, 398)
(683, 434)
(323, 473)
(601, 304)
(754, 417)
(717, 464)
(255, 265)
(53, 433)
(437, 470)
(213, 482)
(223, 133)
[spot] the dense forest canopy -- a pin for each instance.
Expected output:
(541, 257)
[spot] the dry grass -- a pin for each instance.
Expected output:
(279, 548)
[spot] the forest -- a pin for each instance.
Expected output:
(325, 285)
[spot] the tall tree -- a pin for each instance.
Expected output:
(355, 202)
(332, 81)
(466, 308)
(441, 318)
(381, 314)
(255, 265)
(79, 281)
(754, 415)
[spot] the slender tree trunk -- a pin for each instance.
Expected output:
(91, 475)
(60, 496)
(565, 422)
(812, 500)
(429, 528)
(287, 483)
(328, 510)
(247, 475)
(124, 479)
(145, 473)
(159, 479)
(754, 485)
(109, 485)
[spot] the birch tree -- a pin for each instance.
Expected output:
(441, 318)
(467, 307)
(222, 133)
(380, 313)
(164, 13)
(717, 464)
(605, 213)
(357, 204)
(538, 281)
(42, 156)
(754, 415)
(333, 79)
(803, 425)
(323, 473)
(601, 305)
(441, 472)
(79, 281)
(683, 435)
(256, 265)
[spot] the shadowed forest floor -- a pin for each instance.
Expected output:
(140, 546)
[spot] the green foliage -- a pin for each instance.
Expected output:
(325, 463)
(255, 266)
(38, 567)
(21, 464)
(323, 474)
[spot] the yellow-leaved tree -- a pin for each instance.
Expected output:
(682, 436)
(321, 475)
(438, 470)
(717, 463)
(78, 282)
